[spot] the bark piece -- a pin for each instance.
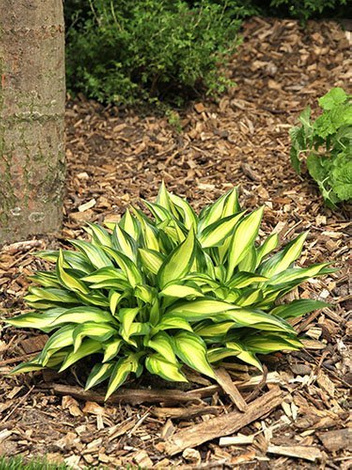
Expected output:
(186, 413)
(131, 396)
(301, 452)
(223, 425)
(34, 344)
(336, 440)
(224, 380)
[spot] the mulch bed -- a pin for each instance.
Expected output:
(296, 415)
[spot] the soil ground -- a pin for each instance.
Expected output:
(116, 156)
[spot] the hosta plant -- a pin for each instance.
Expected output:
(158, 293)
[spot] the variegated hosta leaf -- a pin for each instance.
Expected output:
(192, 351)
(158, 365)
(99, 373)
(243, 238)
(121, 371)
(178, 263)
(162, 291)
(284, 258)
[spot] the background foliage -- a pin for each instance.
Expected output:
(125, 51)
(327, 145)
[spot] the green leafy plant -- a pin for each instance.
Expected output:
(157, 293)
(327, 143)
(124, 51)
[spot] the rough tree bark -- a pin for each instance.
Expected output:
(32, 100)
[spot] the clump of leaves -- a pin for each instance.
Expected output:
(327, 143)
(153, 51)
(157, 293)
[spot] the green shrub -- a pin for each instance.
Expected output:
(125, 51)
(157, 294)
(302, 10)
(327, 144)
(307, 8)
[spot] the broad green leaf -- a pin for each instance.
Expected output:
(95, 255)
(157, 365)
(120, 372)
(293, 274)
(214, 330)
(243, 238)
(271, 242)
(245, 356)
(145, 293)
(105, 274)
(215, 234)
(45, 279)
(134, 276)
(179, 290)
(99, 373)
(52, 294)
(130, 225)
(249, 297)
(265, 344)
(296, 308)
(82, 315)
(41, 321)
(72, 259)
(284, 258)
(112, 348)
(87, 348)
(123, 242)
(213, 213)
(60, 339)
(244, 279)
(200, 309)
(218, 354)
(151, 260)
(67, 280)
(160, 213)
(178, 262)
(162, 344)
(251, 318)
(163, 198)
(191, 349)
(99, 332)
(189, 217)
(231, 206)
(114, 299)
(171, 322)
(127, 316)
(100, 236)
(249, 261)
(97, 299)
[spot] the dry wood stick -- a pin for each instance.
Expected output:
(223, 425)
(224, 380)
(131, 396)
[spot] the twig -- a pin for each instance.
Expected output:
(17, 405)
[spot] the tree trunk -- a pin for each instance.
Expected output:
(32, 100)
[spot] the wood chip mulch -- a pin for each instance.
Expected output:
(296, 415)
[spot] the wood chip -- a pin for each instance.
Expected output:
(224, 380)
(223, 425)
(301, 452)
(337, 440)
